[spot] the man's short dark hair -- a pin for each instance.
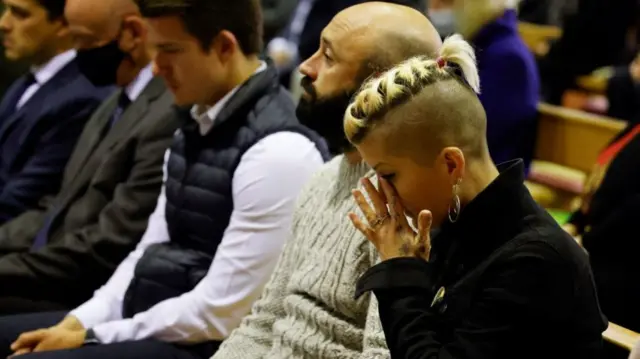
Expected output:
(204, 19)
(55, 8)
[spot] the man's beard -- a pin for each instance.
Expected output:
(325, 116)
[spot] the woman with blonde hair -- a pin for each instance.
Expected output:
(501, 279)
(507, 68)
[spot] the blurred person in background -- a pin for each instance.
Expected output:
(606, 225)
(599, 33)
(508, 72)
(44, 111)
(276, 14)
(54, 258)
(623, 91)
(546, 12)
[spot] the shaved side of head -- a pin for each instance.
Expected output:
(394, 33)
(423, 105)
(455, 118)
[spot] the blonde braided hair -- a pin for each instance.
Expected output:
(377, 96)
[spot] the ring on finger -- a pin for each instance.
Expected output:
(378, 221)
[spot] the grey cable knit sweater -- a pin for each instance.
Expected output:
(307, 309)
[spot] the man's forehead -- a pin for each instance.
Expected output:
(347, 39)
(88, 19)
(90, 28)
(168, 28)
(22, 4)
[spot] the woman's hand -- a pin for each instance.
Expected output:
(387, 227)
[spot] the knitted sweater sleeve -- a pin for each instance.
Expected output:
(253, 339)
(375, 344)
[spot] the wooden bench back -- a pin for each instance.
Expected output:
(573, 138)
(537, 37)
(621, 337)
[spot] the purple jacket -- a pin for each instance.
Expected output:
(510, 87)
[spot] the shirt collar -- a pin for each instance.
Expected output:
(135, 88)
(207, 114)
(45, 72)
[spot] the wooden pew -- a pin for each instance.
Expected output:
(537, 37)
(573, 138)
(567, 146)
(593, 84)
(621, 337)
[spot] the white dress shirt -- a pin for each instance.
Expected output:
(264, 188)
(44, 73)
(135, 88)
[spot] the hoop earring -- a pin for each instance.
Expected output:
(454, 211)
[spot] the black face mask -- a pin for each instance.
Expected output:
(100, 64)
(325, 116)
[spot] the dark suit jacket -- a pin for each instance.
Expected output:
(9, 71)
(110, 188)
(37, 139)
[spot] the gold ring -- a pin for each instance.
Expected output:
(379, 220)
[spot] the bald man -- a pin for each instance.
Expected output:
(55, 258)
(308, 310)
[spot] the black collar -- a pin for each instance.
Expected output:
(491, 219)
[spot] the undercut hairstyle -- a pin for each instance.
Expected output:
(54, 8)
(205, 19)
(424, 101)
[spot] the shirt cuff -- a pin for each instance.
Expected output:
(92, 313)
(115, 332)
(397, 273)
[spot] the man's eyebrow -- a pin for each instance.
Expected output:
(167, 45)
(327, 43)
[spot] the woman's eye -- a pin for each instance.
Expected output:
(388, 177)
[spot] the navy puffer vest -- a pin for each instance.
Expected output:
(198, 188)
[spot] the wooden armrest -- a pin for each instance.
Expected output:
(620, 336)
(573, 138)
(543, 31)
(581, 117)
(537, 37)
(592, 83)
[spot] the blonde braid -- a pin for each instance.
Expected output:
(394, 87)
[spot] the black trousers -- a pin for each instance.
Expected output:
(12, 326)
(17, 305)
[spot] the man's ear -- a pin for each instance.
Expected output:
(134, 31)
(62, 27)
(225, 45)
